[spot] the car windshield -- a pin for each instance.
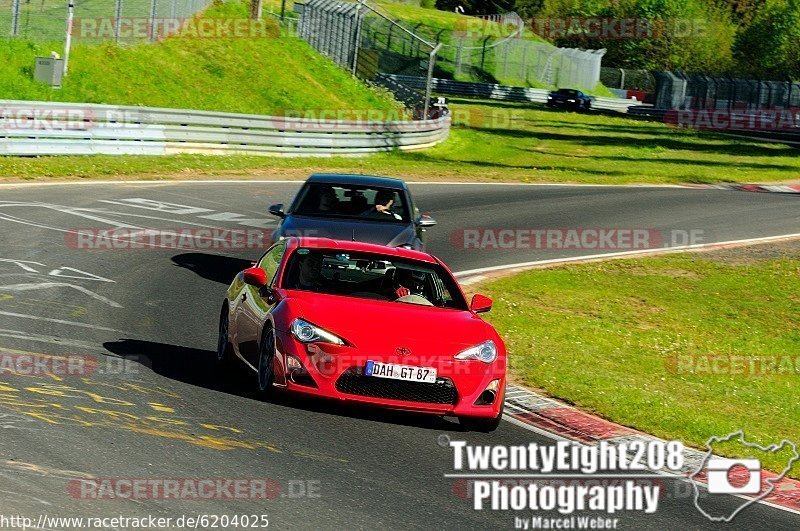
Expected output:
(372, 276)
(568, 92)
(351, 201)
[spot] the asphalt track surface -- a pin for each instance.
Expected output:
(168, 414)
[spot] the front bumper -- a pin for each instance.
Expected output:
(337, 372)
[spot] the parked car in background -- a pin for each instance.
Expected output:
(360, 208)
(569, 99)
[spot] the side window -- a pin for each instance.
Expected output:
(271, 261)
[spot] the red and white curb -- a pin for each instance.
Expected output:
(775, 188)
(562, 421)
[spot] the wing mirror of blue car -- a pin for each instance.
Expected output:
(480, 303)
(277, 210)
(426, 221)
(255, 276)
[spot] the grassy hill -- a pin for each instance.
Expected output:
(263, 75)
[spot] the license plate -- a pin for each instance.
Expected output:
(394, 371)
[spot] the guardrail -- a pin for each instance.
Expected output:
(503, 92)
(49, 128)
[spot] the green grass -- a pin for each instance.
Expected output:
(498, 142)
(603, 336)
(266, 75)
(412, 15)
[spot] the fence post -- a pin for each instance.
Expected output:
(429, 81)
(68, 36)
(483, 51)
(117, 19)
(505, 58)
(622, 79)
(357, 38)
(15, 18)
(173, 12)
(151, 33)
(524, 68)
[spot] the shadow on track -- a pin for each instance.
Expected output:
(214, 267)
(198, 367)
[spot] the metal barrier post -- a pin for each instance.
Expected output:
(68, 39)
(15, 18)
(505, 59)
(117, 19)
(151, 28)
(431, 61)
(357, 38)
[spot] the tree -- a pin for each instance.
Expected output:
(770, 46)
(684, 34)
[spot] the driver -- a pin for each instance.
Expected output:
(384, 199)
(408, 282)
(327, 199)
(310, 277)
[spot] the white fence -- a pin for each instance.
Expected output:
(47, 128)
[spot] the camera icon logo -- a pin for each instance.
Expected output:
(734, 476)
(738, 477)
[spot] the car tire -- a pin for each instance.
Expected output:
(482, 424)
(224, 348)
(266, 354)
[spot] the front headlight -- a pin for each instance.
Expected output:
(306, 332)
(485, 352)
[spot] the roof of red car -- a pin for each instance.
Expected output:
(344, 245)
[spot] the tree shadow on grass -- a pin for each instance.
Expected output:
(688, 162)
(674, 144)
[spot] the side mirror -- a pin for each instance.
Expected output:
(426, 221)
(277, 210)
(480, 303)
(255, 276)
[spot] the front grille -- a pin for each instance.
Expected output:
(353, 382)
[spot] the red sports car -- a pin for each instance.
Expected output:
(366, 323)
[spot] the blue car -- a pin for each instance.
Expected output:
(569, 99)
(354, 207)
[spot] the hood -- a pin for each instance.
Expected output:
(391, 234)
(380, 327)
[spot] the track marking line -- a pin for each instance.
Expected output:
(522, 266)
(60, 321)
(48, 285)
